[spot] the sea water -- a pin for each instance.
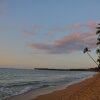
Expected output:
(18, 81)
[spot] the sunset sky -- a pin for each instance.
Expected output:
(48, 33)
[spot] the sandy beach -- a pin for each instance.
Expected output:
(88, 89)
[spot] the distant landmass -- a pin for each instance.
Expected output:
(89, 69)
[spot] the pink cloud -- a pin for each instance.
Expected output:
(38, 46)
(74, 36)
(91, 25)
(37, 26)
(88, 34)
(34, 27)
(54, 30)
(78, 25)
(74, 41)
(90, 41)
(64, 40)
(26, 33)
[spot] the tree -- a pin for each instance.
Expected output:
(86, 50)
(98, 45)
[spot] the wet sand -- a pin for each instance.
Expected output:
(89, 89)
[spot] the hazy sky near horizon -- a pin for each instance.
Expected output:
(47, 33)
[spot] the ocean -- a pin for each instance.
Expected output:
(18, 81)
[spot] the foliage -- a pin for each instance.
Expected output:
(98, 51)
(86, 50)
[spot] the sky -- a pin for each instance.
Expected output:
(48, 33)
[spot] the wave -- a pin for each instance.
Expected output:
(9, 91)
(17, 84)
(30, 80)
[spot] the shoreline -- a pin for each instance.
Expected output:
(32, 95)
(88, 89)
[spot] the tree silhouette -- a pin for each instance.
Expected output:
(86, 50)
(98, 45)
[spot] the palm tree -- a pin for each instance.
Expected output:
(86, 50)
(98, 44)
(98, 38)
(98, 60)
(98, 32)
(98, 27)
(98, 51)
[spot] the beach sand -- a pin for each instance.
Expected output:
(88, 89)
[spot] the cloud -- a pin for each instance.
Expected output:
(37, 26)
(75, 37)
(78, 25)
(34, 28)
(75, 41)
(26, 33)
(39, 46)
(91, 25)
(91, 41)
